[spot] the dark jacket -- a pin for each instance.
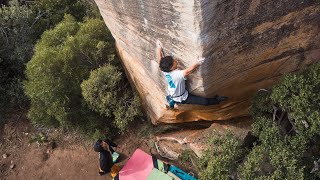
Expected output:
(105, 157)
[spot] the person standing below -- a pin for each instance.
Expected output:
(176, 81)
(105, 149)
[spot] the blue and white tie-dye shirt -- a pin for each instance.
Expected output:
(176, 85)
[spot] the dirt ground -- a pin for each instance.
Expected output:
(66, 155)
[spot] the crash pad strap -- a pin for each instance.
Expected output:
(158, 164)
(155, 162)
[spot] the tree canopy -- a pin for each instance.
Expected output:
(64, 58)
(286, 124)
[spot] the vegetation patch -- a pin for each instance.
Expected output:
(219, 160)
(22, 24)
(63, 59)
(108, 93)
(286, 123)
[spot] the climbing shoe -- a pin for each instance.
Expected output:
(170, 102)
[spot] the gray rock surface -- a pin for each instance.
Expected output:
(249, 44)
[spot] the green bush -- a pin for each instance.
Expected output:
(252, 167)
(21, 26)
(298, 94)
(107, 92)
(101, 90)
(51, 12)
(17, 39)
(284, 155)
(128, 109)
(185, 156)
(286, 122)
(277, 157)
(219, 160)
(63, 58)
(39, 138)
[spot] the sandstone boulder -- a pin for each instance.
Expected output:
(248, 44)
(196, 140)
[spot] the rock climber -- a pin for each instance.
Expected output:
(175, 77)
(106, 151)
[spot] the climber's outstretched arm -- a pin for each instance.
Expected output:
(159, 54)
(190, 69)
(159, 51)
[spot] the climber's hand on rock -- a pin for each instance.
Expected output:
(201, 60)
(159, 51)
(159, 44)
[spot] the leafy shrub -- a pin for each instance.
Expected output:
(283, 154)
(39, 138)
(63, 58)
(128, 109)
(219, 160)
(185, 156)
(108, 93)
(298, 94)
(101, 90)
(51, 12)
(277, 157)
(98, 135)
(21, 27)
(17, 39)
(286, 122)
(253, 165)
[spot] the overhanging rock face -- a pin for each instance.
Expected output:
(248, 44)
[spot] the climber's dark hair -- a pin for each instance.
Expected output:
(97, 146)
(166, 63)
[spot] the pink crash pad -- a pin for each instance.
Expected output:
(138, 167)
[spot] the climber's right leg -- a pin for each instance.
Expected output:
(193, 99)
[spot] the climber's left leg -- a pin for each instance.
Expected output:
(193, 99)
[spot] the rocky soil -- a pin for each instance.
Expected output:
(63, 154)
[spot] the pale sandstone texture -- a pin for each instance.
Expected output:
(196, 140)
(248, 45)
